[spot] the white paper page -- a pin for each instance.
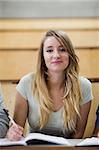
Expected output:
(7, 142)
(89, 141)
(53, 139)
(74, 142)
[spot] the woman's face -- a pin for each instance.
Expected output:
(55, 56)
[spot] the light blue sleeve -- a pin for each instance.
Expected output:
(21, 87)
(24, 85)
(86, 90)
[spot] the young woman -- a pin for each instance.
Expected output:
(56, 100)
(4, 120)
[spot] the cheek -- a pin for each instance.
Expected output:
(66, 60)
(46, 59)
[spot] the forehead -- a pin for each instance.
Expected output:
(50, 41)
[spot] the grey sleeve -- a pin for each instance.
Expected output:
(1, 98)
(4, 123)
(4, 120)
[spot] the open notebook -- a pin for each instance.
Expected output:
(38, 138)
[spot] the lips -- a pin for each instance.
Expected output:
(56, 62)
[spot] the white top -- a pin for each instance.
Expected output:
(55, 122)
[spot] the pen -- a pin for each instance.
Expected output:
(11, 120)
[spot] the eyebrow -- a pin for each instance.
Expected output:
(52, 46)
(49, 47)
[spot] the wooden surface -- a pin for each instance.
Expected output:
(20, 40)
(56, 23)
(31, 38)
(48, 148)
(16, 63)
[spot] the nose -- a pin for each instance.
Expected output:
(56, 54)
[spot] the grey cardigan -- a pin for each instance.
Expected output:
(4, 120)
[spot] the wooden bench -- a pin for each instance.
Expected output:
(20, 40)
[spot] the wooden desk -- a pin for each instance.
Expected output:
(48, 148)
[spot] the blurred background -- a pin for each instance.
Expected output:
(49, 8)
(22, 25)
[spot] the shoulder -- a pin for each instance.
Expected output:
(84, 81)
(86, 89)
(25, 84)
(27, 79)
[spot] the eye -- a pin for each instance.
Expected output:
(62, 49)
(49, 50)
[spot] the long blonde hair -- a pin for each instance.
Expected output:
(72, 95)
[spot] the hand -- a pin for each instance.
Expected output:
(15, 132)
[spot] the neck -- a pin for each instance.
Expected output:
(56, 80)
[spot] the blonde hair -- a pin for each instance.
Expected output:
(72, 95)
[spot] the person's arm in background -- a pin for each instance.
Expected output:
(96, 129)
(4, 120)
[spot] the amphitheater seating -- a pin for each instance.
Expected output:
(19, 44)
